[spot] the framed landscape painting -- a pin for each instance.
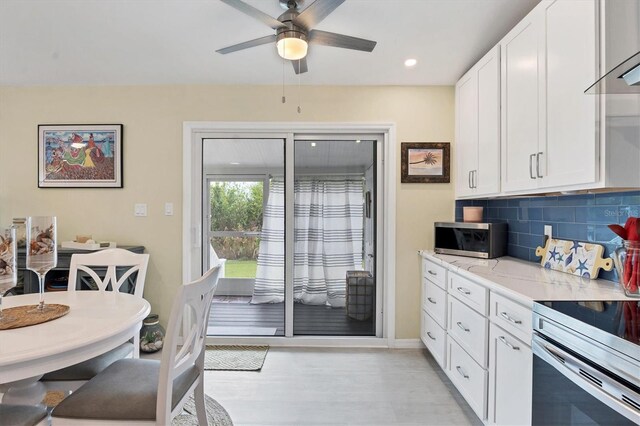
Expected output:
(80, 156)
(425, 162)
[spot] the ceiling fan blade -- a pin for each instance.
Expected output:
(255, 13)
(316, 12)
(339, 40)
(248, 44)
(300, 66)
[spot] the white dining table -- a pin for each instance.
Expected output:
(96, 323)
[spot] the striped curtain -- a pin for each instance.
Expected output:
(328, 242)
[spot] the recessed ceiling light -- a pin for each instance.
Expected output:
(313, 144)
(233, 163)
(358, 141)
(410, 62)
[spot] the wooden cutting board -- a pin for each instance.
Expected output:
(574, 257)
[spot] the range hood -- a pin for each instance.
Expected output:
(623, 79)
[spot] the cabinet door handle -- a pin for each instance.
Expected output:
(509, 318)
(463, 290)
(431, 272)
(475, 179)
(503, 340)
(430, 336)
(462, 326)
(461, 371)
(431, 300)
(470, 184)
(538, 165)
(531, 166)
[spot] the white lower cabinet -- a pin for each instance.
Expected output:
(433, 316)
(469, 328)
(434, 338)
(510, 364)
(434, 301)
(469, 377)
(482, 340)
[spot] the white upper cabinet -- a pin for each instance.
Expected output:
(522, 102)
(487, 176)
(570, 152)
(478, 128)
(549, 126)
(466, 133)
(524, 124)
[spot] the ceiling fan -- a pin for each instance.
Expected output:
(294, 30)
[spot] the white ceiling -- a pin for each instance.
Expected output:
(130, 42)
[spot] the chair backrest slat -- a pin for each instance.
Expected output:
(111, 259)
(195, 297)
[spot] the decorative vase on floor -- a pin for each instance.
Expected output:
(151, 334)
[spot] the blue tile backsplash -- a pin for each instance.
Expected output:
(581, 217)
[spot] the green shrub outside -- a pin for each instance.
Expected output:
(236, 206)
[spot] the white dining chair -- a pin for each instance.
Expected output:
(113, 262)
(142, 391)
(23, 415)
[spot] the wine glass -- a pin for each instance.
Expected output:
(42, 250)
(8, 270)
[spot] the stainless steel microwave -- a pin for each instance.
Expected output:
(484, 240)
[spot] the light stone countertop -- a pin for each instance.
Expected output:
(527, 282)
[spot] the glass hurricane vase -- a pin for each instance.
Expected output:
(627, 261)
(42, 250)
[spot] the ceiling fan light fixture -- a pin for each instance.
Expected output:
(292, 45)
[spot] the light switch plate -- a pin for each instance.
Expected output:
(140, 210)
(168, 209)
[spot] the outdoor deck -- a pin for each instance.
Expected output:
(236, 316)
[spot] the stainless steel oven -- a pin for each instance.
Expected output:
(586, 363)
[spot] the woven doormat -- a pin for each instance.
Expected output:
(235, 357)
(216, 414)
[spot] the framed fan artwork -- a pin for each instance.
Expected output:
(425, 162)
(80, 156)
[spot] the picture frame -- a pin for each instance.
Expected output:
(425, 162)
(80, 155)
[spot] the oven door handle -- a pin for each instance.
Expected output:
(615, 395)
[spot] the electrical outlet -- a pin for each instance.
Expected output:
(168, 209)
(548, 231)
(140, 210)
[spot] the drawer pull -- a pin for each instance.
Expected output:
(431, 272)
(461, 371)
(462, 326)
(503, 340)
(508, 318)
(431, 300)
(430, 336)
(464, 290)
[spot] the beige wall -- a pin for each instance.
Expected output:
(152, 117)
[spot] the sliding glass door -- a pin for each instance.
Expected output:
(334, 284)
(244, 219)
(297, 243)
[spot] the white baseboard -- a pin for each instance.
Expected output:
(320, 341)
(301, 341)
(406, 344)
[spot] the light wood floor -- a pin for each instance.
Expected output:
(334, 386)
